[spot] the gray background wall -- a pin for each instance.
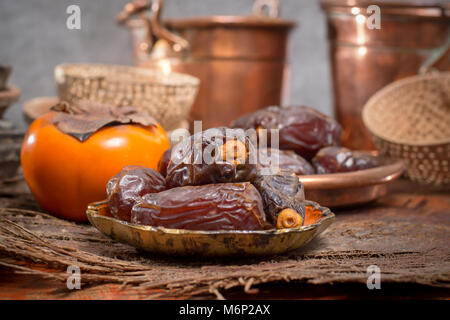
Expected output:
(34, 38)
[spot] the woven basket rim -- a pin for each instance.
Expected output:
(173, 79)
(387, 89)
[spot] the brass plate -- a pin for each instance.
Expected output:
(351, 188)
(178, 242)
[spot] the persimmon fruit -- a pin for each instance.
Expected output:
(65, 174)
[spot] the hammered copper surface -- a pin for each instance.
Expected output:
(240, 60)
(365, 60)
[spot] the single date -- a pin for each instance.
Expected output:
(221, 206)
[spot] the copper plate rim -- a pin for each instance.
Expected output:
(392, 169)
(327, 215)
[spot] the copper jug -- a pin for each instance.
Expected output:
(240, 60)
(365, 60)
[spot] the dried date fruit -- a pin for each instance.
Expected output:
(285, 160)
(216, 155)
(281, 191)
(222, 206)
(164, 162)
(301, 129)
(125, 188)
(336, 159)
(266, 118)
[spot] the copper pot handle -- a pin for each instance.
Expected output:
(155, 26)
(178, 43)
(272, 6)
(131, 9)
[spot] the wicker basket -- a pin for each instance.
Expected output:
(167, 98)
(410, 119)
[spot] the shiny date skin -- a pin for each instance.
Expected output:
(163, 163)
(337, 159)
(216, 155)
(285, 160)
(301, 129)
(128, 185)
(222, 206)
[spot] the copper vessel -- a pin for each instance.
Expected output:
(240, 60)
(365, 60)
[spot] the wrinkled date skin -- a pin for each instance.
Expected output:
(164, 162)
(281, 191)
(189, 163)
(336, 159)
(286, 160)
(125, 188)
(223, 206)
(301, 129)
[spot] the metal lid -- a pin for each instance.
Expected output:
(229, 21)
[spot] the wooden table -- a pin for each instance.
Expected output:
(405, 233)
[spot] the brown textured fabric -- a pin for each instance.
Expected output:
(405, 234)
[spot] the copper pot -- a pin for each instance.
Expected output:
(240, 60)
(364, 60)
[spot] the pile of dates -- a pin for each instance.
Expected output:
(309, 141)
(209, 181)
(222, 179)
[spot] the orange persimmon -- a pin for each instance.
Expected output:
(64, 174)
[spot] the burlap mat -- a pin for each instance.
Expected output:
(406, 236)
